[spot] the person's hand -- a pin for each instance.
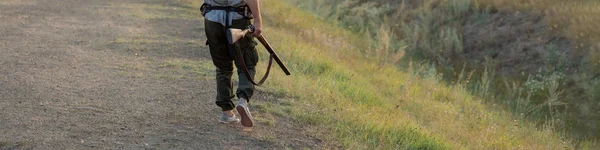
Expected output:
(257, 30)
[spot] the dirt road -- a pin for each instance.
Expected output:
(117, 74)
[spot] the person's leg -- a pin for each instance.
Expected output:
(247, 46)
(222, 60)
(245, 87)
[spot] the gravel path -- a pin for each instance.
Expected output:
(115, 74)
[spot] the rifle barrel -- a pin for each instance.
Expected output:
(272, 52)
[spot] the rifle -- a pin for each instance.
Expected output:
(233, 35)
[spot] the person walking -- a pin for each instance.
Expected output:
(220, 15)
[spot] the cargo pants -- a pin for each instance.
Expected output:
(223, 58)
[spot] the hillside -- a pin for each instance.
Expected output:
(537, 58)
(360, 83)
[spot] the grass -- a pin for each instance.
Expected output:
(576, 19)
(369, 104)
(432, 31)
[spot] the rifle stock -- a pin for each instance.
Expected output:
(234, 35)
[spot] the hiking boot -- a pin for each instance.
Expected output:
(242, 108)
(228, 119)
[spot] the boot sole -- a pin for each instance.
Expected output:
(246, 117)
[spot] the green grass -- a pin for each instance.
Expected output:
(577, 19)
(369, 104)
(432, 31)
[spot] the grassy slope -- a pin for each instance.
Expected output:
(434, 30)
(367, 104)
(577, 19)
